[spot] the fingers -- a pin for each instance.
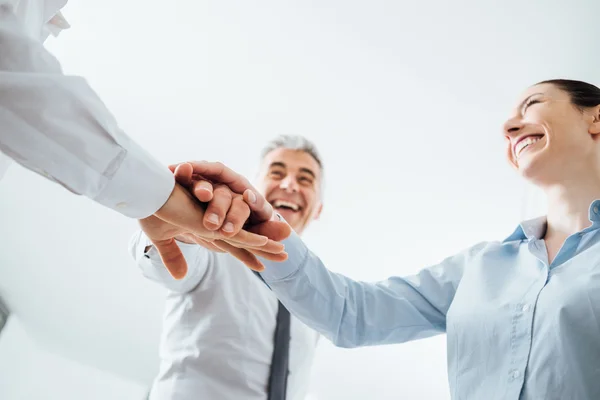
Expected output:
(171, 256)
(264, 252)
(183, 211)
(243, 255)
(183, 173)
(248, 239)
(203, 190)
(271, 246)
(269, 256)
(219, 173)
(261, 209)
(218, 207)
(274, 230)
(208, 245)
(236, 217)
(226, 210)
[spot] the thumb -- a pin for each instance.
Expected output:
(183, 174)
(261, 209)
(172, 257)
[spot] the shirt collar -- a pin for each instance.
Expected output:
(54, 26)
(536, 228)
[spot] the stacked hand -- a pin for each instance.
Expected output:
(219, 209)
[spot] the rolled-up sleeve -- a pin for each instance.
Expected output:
(352, 313)
(57, 126)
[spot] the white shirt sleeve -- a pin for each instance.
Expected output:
(197, 257)
(57, 126)
(4, 164)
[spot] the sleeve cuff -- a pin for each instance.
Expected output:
(297, 253)
(139, 187)
(152, 253)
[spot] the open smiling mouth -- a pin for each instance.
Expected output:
(526, 143)
(281, 205)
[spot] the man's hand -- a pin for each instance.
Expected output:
(182, 214)
(199, 176)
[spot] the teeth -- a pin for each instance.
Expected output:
(283, 203)
(524, 143)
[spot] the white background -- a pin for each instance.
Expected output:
(405, 101)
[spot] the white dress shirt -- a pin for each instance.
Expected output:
(218, 330)
(57, 126)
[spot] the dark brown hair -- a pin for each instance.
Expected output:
(583, 95)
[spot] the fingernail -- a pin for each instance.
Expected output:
(213, 218)
(268, 207)
(252, 197)
(228, 227)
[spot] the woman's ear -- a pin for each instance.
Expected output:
(594, 128)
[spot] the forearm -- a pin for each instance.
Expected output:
(352, 313)
(57, 126)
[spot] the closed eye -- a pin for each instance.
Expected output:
(529, 103)
(305, 180)
(277, 174)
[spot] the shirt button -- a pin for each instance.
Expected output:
(121, 205)
(515, 374)
(526, 308)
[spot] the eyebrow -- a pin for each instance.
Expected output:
(282, 165)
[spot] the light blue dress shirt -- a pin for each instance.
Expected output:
(517, 327)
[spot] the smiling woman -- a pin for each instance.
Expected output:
(401, 128)
(521, 315)
(554, 125)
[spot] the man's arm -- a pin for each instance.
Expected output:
(352, 313)
(57, 126)
(152, 267)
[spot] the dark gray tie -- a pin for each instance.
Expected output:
(281, 354)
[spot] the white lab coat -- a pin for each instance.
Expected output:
(57, 126)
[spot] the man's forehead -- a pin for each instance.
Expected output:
(292, 159)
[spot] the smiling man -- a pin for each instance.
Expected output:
(291, 180)
(225, 335)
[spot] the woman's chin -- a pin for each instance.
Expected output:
(539, 171)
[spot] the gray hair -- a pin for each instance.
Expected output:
(294, 142)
